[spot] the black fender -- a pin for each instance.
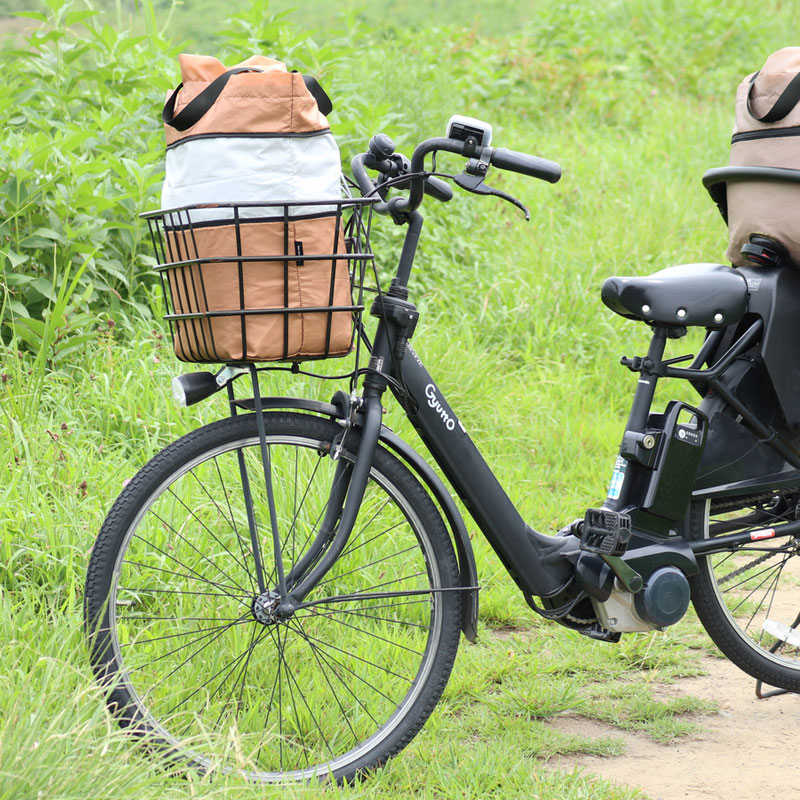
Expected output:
(458, 530)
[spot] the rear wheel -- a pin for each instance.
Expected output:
(183, 633)
(748, 597)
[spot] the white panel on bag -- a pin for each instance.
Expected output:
(253, 169)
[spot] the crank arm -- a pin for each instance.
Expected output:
(628, 577)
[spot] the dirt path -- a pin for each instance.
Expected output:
(747, 751)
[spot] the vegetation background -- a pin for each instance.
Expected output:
(633, 97)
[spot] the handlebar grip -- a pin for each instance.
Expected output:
(438, 189)
(533, 166)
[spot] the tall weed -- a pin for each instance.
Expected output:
(78, 162)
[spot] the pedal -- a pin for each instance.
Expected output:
(598, 633)
(605, 532)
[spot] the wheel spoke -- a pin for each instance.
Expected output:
(341, 575)
(171, 591)
(188, 659)
(324, 672)
(746, 595)
(297, 509)
(192, 545)
(776, 570)
(275, 685)
(767, 570)
(227, 668)
(368, 594)
(216, 632)
(332, 659)
(292, 531)
(771, 594)
(240, 540)
(348, 550)
(243, 674)
(233, 620)
(170, 636)
(289, 698)
(235, 589)
(375, 636)
(359, 658)
(361, 530)
(290, 678)
(329, 614)
(315, 527)
(329, 661)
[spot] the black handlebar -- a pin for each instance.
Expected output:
(365, 184)
(533, 166)
(500, 157)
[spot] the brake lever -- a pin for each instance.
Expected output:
(475, 184)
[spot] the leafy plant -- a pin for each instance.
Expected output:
(80, 159)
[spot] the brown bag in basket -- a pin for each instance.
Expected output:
(766, 134)
(253, 181)
(211, 291)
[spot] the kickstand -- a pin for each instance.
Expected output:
(774, 693)
(774, 649)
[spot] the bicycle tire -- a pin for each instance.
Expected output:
(333, 691)
(748, 598)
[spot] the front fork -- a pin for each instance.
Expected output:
(344, 501)
(350, 479)
(349, 484)
(347, 492)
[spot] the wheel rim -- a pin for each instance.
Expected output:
(758, 585)
(226, 687)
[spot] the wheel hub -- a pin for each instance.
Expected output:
(264, 606)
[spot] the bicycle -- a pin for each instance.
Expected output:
(283, 592)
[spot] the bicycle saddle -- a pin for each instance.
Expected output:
(707, 295)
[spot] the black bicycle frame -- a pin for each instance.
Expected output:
(542, 566)
(532, 559)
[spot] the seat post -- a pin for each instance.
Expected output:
(648, 368)
(648, 377)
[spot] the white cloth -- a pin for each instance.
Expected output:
(242, 169)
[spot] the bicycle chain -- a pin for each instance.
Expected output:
(746, 567)
(751, 501)
(719, 505)
(579, 621)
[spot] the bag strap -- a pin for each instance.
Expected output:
(318, 93)
(783, 105)
(194, 111)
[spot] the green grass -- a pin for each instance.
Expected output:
(635, 100)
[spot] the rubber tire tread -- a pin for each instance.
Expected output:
(112, 533)
(715, 620)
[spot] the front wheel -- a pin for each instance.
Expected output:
(180, 625)
(748, 597)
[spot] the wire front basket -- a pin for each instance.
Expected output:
(256, 282)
